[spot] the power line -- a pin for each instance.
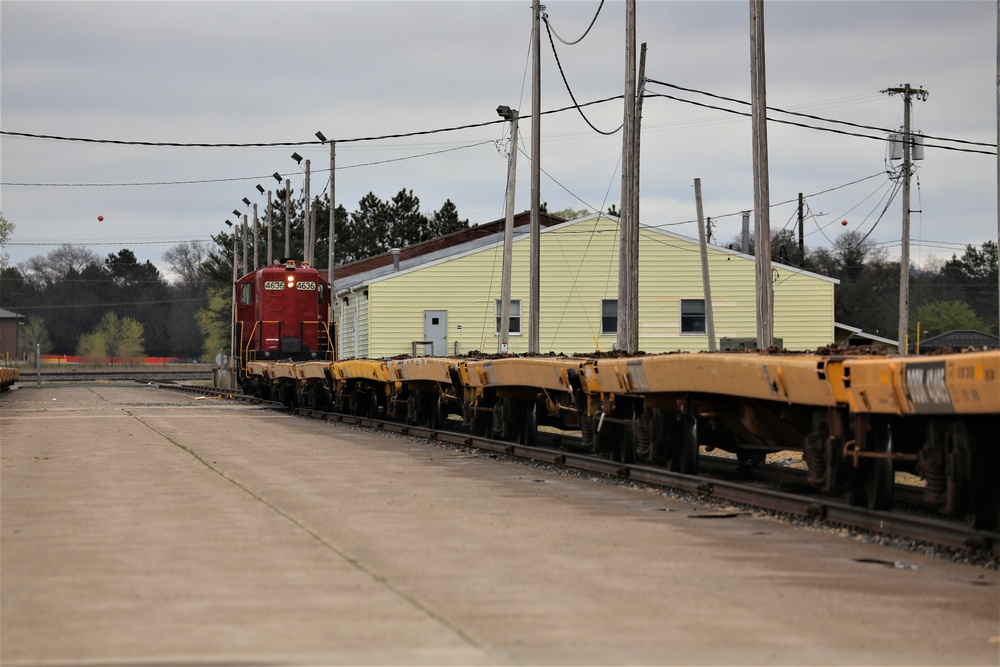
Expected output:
(812, 117)
(575, 106)
(821, 129)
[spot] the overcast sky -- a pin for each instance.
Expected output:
(261, 72)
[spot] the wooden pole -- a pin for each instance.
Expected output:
(624, 333)
(706, 284)
(802, 245)
(508, 239)
(245, 234)
(634, 211)
(762, 204)
(256, 236)
(270, 225)
(307, 232)
(907, 91)
(288, 218)
(534, 300)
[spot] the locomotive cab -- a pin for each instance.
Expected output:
(281, 313)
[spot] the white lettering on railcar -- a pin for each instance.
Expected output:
(274, 284)
(306, 285)
(927, 387)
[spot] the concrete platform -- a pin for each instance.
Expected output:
(144, 527)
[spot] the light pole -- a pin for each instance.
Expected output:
(232, 314)
(332, 329)
(306, 214)
(511, 115)
(244, 239)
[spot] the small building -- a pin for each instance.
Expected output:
(959, 339)
(848, 336)
(10, 331)
(447, 301)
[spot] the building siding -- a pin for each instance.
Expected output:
(579, 268)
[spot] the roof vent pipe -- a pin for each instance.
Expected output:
(395, 259)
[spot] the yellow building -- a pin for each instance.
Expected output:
(447, 301)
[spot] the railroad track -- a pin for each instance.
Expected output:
(155, 376)
(723, 485)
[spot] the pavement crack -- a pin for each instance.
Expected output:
(380, 579)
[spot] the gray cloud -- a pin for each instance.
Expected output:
(278, 71)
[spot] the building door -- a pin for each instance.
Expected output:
(436, 331)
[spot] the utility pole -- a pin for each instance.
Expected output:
(288, 217)
(908, 93)
(802, 246)
(256, 236)
(625, 259)
(270, 224)
(508, 231)
(536, 149)
(331, 298)
(633, 327)
(761, 193)
(307, 233)
(705, 282)
(245, 271)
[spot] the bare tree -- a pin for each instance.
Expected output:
(185, 261)
(42, 270)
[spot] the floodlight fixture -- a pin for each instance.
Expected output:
(229, 223)
(237, 213)
(246, 201)
(297, 158)
(277, 176)
(260, 188)
(319, 135)
(506, 112)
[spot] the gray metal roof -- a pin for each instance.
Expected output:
(357, 280)
(8, 315)
(960, 338)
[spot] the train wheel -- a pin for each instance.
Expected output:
(434, 418)
(628, 440)
(287, 394)
(529, 432)
(497, 420)
(687, 458)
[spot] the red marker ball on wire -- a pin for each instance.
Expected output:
(100, 218)
(843, 222)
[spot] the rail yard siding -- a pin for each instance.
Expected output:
(579, 268)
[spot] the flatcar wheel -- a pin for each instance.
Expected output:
(371, 405)
(434, 413)
(687, 463)
(627, 441)
(879, 477)
(530, 430)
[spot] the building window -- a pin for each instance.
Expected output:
(609, 317)
(515, 318)
(692, 316)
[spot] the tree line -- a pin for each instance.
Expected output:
(75, 301)
(71, 296)
(957, 293)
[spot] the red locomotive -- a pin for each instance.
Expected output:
(282, 312)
